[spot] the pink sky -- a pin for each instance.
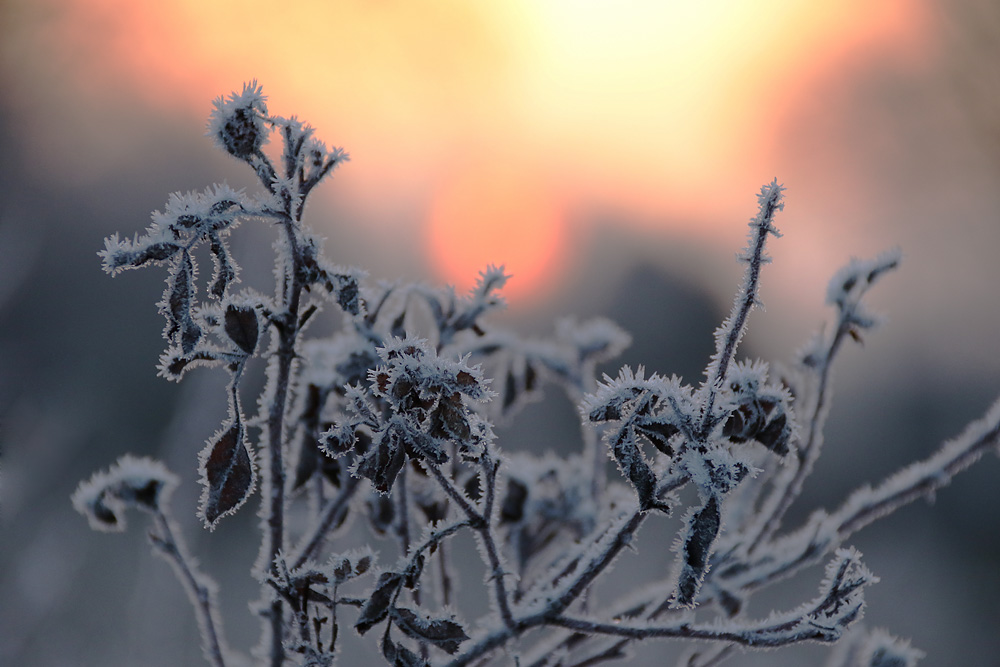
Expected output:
(499, 126)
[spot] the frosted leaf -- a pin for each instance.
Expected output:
(131, 482)
(347, 566)
(632, 393)
(444, 633)
(225, 271)
(399, 656)
(428, 400)
(746, 378)
(238, 124)
(658, 409)
(726, 468)
(242, 326)
(756, 410)
(636, 469)
(383, 461)
(227, 474)
(119, 255)
(198, 215)
(702, 529)
(177, 303)
(376, 609)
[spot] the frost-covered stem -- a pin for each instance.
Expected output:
(261, 164)
(790, 485)
(921, 479)
(489, 540)
(587, 574)
(436, 538)
(481, 523)
(621, 538)
(403, 527)
(308, 185)
(286, 324)
(772, 636)
(330, 516)
(729, 338)
(199, 592)
(475, 518)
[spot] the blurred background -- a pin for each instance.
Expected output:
(607, 153)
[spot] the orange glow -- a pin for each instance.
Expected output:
(497, 213)
(666, 112)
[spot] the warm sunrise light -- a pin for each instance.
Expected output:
(667, 112)
(497, 213)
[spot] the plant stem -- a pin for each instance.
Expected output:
(198, 588)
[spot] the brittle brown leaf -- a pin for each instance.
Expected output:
(444, 633)
(242, 327)
(377, 607)
(227, 473)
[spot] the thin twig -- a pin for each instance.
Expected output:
(199, 590)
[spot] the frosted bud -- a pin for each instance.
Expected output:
(238, 123)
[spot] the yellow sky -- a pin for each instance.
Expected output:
(500, 121)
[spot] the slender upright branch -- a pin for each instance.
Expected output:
(200, 592)
(728, 338)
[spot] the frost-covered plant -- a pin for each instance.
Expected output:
(377, 421)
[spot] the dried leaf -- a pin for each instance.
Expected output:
(227, 473)
(634, 466)
(157, 252)
(242, 327)
(383, 462)
(444, 633)
(225, 270)
(704, 528)
(377, 607)
(178, 310)
(400, 656)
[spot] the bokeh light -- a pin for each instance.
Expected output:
(641, 106)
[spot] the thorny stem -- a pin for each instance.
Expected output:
(770, 203)
(492, 553)
(481, 523)
(200, 594)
